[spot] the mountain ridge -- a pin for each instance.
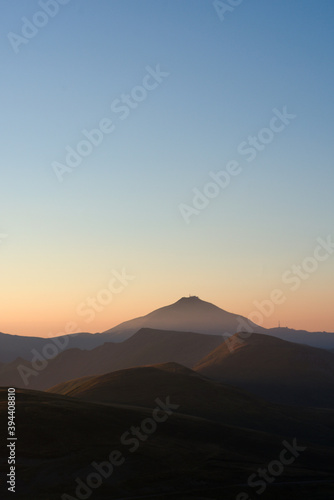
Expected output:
(280, 371)
(188, 314)
(145, 347)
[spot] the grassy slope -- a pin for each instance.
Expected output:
(275, 369)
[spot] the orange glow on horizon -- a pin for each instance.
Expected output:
(298, 312)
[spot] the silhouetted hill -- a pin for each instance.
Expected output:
(200, 396)
(272, 368)
(189, 314)
(145, 347)
(323, 340)
(14, 346)
(60, 438)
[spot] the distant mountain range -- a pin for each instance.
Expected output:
(271, 368)
(144, 348)
(238, 400)
(189, 314)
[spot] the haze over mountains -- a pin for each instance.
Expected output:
(14, 346)
(274, 369)
(189, 314)
(237, 398)
(268, 367)
(145, 347)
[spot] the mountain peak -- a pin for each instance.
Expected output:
(188, 314)
(190, 298)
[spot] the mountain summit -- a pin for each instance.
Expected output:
(188, 314)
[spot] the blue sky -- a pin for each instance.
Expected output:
(120, 206)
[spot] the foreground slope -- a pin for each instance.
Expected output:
(272, 368)
(199, 397)
(62, 440)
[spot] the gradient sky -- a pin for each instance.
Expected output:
(119, 209)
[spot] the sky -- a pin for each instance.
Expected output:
(156, 149)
